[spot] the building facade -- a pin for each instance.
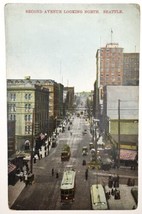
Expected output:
(111, 65)
(109, 71)
(121, 121)
(28, 106)
(131, 69)
(121, 106)
(55, 102)
(69, 100)
(11, 137)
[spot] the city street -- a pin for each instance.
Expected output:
(44, 193)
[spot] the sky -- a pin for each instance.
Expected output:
(62, 44)
(60, 47)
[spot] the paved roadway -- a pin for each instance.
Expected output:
(44, 193)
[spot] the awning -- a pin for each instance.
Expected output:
(127, 154)
(11, 168)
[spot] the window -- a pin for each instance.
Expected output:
(13, 96)
(12, 117)
(28, 129)
(28, 96)
(12, 108)
(28, 117)
(28, 107)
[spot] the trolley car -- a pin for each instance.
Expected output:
(68, 185)
(98, 197)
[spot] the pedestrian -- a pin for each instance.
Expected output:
(27, 167)
(21, 176)
(86, 174)
(112, 191)
(110, 182)
(34, 159)
(57, 174)
(52, 171)
(26, 179)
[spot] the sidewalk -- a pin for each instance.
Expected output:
(126, 201)
(14, 191)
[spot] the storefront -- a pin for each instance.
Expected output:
(128, 157)
(11, 174)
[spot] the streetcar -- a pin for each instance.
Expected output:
(68, 185)
(98, 197)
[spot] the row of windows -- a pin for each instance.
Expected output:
(112, 50)
(111, 70)
(12, 107)
(27, 117)
(28, 129)
(111, 56)
(112, 73)
(12, 96)
(111, 62)
(110, 79)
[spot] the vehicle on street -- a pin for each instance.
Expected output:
(134, 192)
(91, 145)
(84, 150)
(65, 153)
(98, 197)
(95, 162)
(106, 163)
(68, 185)
(84, 132)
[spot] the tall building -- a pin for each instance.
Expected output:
(28, 106)
(69, 101)
(109, 71)
(110, 67)
(60, 99)
(131, 69)
(55, 102)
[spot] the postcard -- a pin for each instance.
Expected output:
(72, 84)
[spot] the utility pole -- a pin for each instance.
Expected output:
(118, 133)
(32, 143)
(111, 35)
(96, 142)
